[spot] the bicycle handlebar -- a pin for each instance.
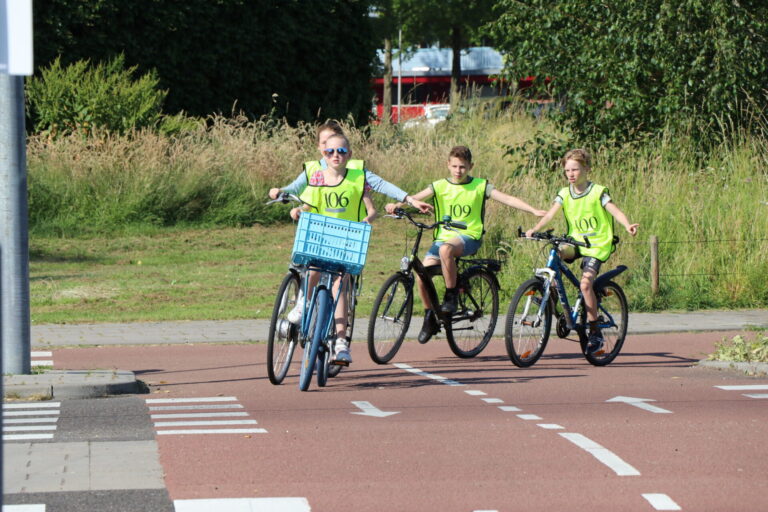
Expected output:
(285, 198)
(547, 236)
(400, 213)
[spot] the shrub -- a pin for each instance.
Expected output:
(81, 98)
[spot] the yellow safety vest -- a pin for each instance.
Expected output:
(342, 201)
(464, 202)
(586, 216)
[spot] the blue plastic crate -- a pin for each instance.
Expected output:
(331, 244)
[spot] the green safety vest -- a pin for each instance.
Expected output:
(586, 216)
(342, 201)
(464, 203)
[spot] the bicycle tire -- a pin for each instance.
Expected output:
(613, 315)
(318, 328)
(323, 365)
(281, 340)
(472, 326)
(525, 340)
(334, 369)
(390, 318)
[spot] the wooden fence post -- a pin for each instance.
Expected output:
(654, 265)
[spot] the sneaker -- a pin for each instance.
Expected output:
(595, 342)
(449, 306)
(430, 327)
(341, 355)
(294, 315)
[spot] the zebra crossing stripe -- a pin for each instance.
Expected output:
(213, 431)
(191, 400)
(33, 405)
(23, 421)
(185, 419)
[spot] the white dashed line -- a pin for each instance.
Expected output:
(493, 400)
(602, 454)
(551, 426)
(475, 392)
(661, 502)
(243, 505)
(529, 417)
(509, 408)
(751, 387)
(421, 373)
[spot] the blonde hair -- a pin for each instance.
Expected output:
(580, 155)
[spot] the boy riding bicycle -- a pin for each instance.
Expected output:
(589, 212)
(463, 198)
(337, 190)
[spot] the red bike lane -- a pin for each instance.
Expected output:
(468, 434)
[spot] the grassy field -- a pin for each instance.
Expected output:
(144, 227)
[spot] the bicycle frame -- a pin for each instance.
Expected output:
(326, 279)
(554, 272)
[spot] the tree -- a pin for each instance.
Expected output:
(459, 22)
(629, 67)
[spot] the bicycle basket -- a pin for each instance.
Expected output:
(330, 243)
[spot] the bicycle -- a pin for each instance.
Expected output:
(335, 249)
(536, 302)
(468, 331)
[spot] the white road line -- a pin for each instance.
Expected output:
(41, 353)
(509, 408)
(41, 362)
(29, 420)
(31, 413)
(475, 392)
(751, 387)
(757, 395)
(661, 501)
(213, 431)
(602, 454)
(191, 400)
(243, 505)
(551, 426)
(24, 508)
(198, 415)
(191, 407)
(203, 423)
(25, 437)
(416, 371)
(35, 405)
(493, 400)
(29, 428)
(529, 417)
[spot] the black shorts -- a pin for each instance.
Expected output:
(587, 262)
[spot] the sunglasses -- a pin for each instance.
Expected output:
(339, 151)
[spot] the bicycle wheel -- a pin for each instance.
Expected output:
(472, 325)
(281, 341)
(527, 332)
(334, 369)
(612, 316)
(318, 328)
(390, 318)
(323, 365)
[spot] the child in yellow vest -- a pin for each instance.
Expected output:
(463, 198)
(589, 211)
(337, 190)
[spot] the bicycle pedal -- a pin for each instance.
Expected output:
(340, 363)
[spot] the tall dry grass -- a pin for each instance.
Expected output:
(708, 209)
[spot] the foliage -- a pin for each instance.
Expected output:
(742, 350)
(293, 58)
(628, 67)
(81, 98)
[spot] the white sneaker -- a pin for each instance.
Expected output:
(294, 315)
(342, 356)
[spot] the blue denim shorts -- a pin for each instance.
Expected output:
(471, 246)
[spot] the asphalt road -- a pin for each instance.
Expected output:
(430, 432)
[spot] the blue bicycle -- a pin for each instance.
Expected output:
(535, 304)
(334, 248)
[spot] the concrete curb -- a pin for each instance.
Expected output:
(55, 384)
(756, 369)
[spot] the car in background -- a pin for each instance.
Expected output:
(433, 114)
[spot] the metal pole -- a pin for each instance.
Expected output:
(399, 73)
(654, 241)
(14, 241)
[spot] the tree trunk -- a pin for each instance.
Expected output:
(456, 44)
(386, 115)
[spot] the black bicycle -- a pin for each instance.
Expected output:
(468, 330)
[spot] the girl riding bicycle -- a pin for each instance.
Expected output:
(337, 191)
(589, 212)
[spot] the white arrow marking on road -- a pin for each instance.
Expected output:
(640, 404)
(368, 409)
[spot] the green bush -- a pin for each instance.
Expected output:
(82, 97)
(742, 350)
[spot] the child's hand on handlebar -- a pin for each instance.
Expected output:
(274, 192)
(295, 212)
